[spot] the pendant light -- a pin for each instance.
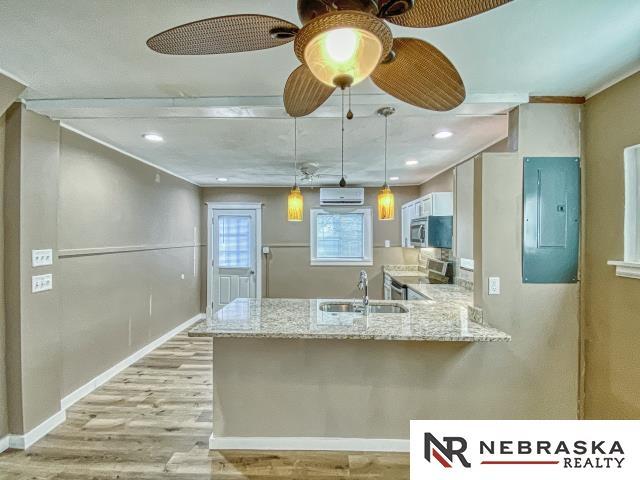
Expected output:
(386, 200)
(295, 201)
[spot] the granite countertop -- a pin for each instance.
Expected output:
(433, 291)
(426, 320)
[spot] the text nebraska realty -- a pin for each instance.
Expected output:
(578, 454)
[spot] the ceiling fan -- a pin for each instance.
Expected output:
(341, 43)
(308, 173)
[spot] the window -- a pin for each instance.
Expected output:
(632, 204)
(630, 266)
(341, 237)
(234, 241)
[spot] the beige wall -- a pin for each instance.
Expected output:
(290, 274)
(612, 304)
(442, 182)
(464, 209)
(543, 320)
(4, 413)
(126, 236)
(9, 92)
(33, 321)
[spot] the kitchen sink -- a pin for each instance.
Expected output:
(358, 308)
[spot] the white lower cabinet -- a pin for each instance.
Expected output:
(387, 287)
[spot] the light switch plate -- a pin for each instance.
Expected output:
(494, 285)
(41, 283)
(41, 258)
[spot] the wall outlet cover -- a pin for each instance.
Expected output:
(494, 285)
(41, 283)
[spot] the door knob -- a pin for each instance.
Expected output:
(251, 272)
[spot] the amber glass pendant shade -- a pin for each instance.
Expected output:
(386, 203)
(295, 205)
(343, 53)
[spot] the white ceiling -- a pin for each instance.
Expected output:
(260, 151)
(96, 49)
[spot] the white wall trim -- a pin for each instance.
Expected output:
(4, 443)
(104, 377)
(22, 442)
(626, 269)
(611, 82)
(309, 443)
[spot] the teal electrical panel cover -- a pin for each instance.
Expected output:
(551, 221)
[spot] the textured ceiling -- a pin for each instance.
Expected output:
(260, 151)
(96, 49)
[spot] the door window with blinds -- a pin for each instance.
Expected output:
(341, 237)
(234, 241)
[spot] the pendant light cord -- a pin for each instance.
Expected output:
(342, 125)
(295, 152)
(386, 123)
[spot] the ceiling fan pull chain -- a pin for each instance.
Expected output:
(343, 182)
(295, 152)
(349, 113)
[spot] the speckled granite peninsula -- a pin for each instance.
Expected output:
(290, 375)
(443, 319)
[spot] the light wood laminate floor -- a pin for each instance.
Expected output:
(153, 421)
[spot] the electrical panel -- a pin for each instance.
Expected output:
(551, 220)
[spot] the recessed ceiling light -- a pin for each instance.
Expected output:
(442, 134)
(222, 179)
(153, 137)
(411, 162)
(393, 179)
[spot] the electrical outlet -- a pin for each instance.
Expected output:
(494, 285)
(40, 283)
(41, 258)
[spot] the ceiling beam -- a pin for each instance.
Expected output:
(364, 105)
(557, 99)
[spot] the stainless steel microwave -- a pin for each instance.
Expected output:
(418, 232)
(433, 231)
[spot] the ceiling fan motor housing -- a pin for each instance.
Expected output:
(310, 9)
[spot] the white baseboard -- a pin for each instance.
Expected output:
(23, 442)
(104, 377)
(309, 443)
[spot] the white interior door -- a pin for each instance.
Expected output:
(233, 256)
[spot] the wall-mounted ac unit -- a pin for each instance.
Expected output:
(341, 196)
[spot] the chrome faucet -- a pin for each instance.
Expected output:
(363, 284)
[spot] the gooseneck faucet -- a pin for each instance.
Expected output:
(363, 284)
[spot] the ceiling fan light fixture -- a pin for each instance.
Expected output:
(342, 48)
(343, 53)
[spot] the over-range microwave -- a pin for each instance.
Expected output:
(433, 231)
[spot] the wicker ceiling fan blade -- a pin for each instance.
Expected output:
(432, 13)
(304, 93)
(228, 34)
(421, 75)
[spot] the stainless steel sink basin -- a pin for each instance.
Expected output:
(358, 308)
(386, 308)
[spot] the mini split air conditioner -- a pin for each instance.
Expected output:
(341, 196)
